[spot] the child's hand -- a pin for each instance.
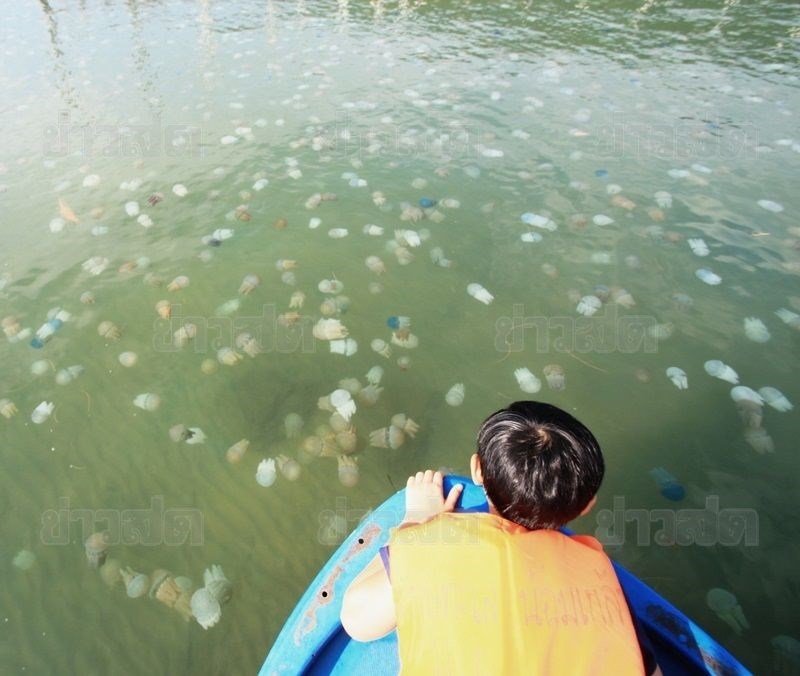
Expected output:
(425, 497)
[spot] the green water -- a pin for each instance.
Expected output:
(579, 98)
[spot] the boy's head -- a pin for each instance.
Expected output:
(540, 467)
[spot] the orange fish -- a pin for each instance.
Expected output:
(66, 213)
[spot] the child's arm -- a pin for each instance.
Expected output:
(368, 605)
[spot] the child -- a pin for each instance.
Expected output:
(504, 592)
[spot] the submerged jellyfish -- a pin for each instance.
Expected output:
(589, 305)
(678, 377)
(455, 395)
(555, 377)
(775, 398)
(206, 602)
(96, 547)
(727, 607)
(387, 437)
(293, 424)
(785, 654)
(236, 452)
(715, 368)
(342, 402)
(136, 584)
(479, 293)
(266, 472)
(709, 277)
(698, 247)
(527, 381)
(756, 330)
(668, 485)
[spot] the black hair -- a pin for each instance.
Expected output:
(540, 466)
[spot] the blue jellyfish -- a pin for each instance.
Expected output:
(426, 202)
(668, 485)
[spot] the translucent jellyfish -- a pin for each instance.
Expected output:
(381, 347)
(147, 401)
(132, 209)
(698, 247)
(678, 377)
(785, 655)
(727, 607)
(293, 425)
(375, 375)
(128, 359)
(759, 440)
(228, 356)
(204, 606)
(663, 199)
(248, 344)
(110, 572)
(329, 329)
(756, 330)
(180, 190)
(180, 282)
(373, 230)
(96, 548)
(788, 317)
(260, 184)
(709, 277)
(289, 467)
(67, 375)
(538, 221)
(589, 305)
(555, 377)
(370, 394)
(164, 309)
(404, 362)
(769, 205)
(622, 297)
(715, 368)
(775, 398)
(403, 422)
(136, 584)
(387, 437)
(23, 559)
(375, 264)
(348, 471)
(266, 472)
(249, 283)
(668, 485)
(602, 219)
(42, 412)
(184, 334)
(404, 338)
(338, 233)
(95, 265)
(531, 237)
(236, 452)
(342, 402)
(527, 381)
(297, 299)
(7, 408)
(455, 395)
(479, 293)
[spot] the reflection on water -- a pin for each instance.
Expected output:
(517, 200)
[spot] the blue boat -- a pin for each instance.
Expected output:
(313, 640)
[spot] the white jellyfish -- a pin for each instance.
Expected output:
(538, 221)
(588, 306)
(698, 246)
(527, 381)
(147, 401)
(67, 375)
(375, 375)
(788, 317)
(479, 293)
(555, 377)
(266, 472)
(381, 347)
(715, 368)
(709, 277)
(775, 398)
(769, 205)
(727, 608)
(455, 395)
(42, 412)
(602, 219)
(678, 377)
(342, 402)
(756, 330)
(760, 440)
(663, 199)
(345, 346)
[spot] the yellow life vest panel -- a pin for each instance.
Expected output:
(477, 594)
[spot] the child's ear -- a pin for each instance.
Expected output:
(589, 507)
(475, 470)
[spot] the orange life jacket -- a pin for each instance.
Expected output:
(477, 594)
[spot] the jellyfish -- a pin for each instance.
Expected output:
(403, 255)
(96, 548)
(769, 205)
(23, 559)
(297, 299)
(375, 264)
(42, 412)
(775, 398)
(342, 402)
(110, 572)
(555, 377)
(785, 655)
(289, 467)
(206, 603)
(236, 452)
(403, 422)
(293, 425)
(249, 345)
(67, 375)
(756, 330)
(387, 437)
(381, 347)
(407, 238)
(184, 334)
(372, 230)
(7, 408)
(678, 377)
(249, 283)
(265, 473)
(374, 375)
(602, 220)
(347, 347)
(668, 485)
(329, 329)
(759, 440)
(404, 338)
(588, 306)
(180, 190)
(622, 297)
(136, 584)
(698, 246)
(166, 589)
(537, 221)
(455, 395)
(147, 401)
(180, 282)
(338, 233)
(348, 470)
(132, 209)
(623, 202)
(717, 369)
(527, 381)
(108, 329)
(788, 317)
(229, 307)
(228, 356)
(727, 607)
(479, 293)
(709, 277)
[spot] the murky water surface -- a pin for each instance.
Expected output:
(546, 152)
